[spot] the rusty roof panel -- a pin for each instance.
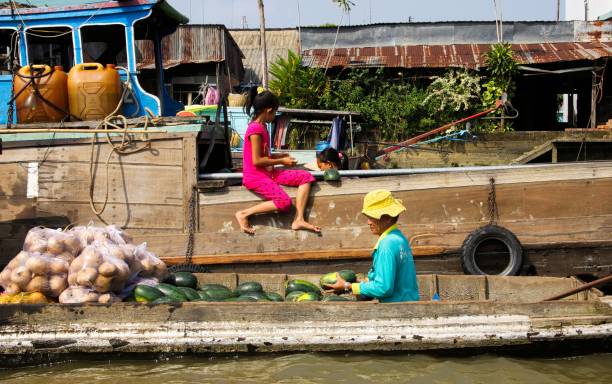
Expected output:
(453, 55)
(194, 44)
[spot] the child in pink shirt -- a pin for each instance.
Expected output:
(259, 174)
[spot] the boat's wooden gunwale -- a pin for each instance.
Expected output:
(33, 333)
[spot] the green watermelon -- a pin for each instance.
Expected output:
(331, 175)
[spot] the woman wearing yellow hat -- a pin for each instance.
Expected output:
(392, 277)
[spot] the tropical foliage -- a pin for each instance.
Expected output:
(395, 107)
(344, 4)
(502, 68)
(297, 86)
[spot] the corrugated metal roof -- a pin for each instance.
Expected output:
(477, 32)
(194, 44)
(278, 42)
(452, 55)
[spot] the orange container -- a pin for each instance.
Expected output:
(44, 94)
(94, 91)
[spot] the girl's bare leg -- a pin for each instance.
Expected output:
(243, 216)
(300, 205)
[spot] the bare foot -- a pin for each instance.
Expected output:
(303, 224)
(243, 221)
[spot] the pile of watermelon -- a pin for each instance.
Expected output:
(183, 286)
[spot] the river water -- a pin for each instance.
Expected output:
(324, 368)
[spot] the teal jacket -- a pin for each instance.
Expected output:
(392, 277)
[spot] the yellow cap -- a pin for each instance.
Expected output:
(381, 202)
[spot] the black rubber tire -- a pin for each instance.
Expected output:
(489, 232)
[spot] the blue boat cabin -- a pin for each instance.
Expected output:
(84, 32)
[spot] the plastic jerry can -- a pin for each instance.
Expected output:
(42, 94)
(94, 90)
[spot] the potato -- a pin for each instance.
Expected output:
(37, 265)
(92, 297)
(58, 267)
(55, 245)
(107, 269)
(147, 267)
(18, 260)
(91, 257)
(5, 275)
(76, 265)
(116, 252)
(106, 298)
(40, 247)
(67, 256)
(72, 244)
(21, 276)
(57, 284)
(37, 284)
(12, 289)
(72, 279)
(123, 272)
(102, 284)
(86, 277)
(160, 271)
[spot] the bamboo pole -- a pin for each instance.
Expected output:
(68, 130)
(580, 288)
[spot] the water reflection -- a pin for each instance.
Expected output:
(324, 368)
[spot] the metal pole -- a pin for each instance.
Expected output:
(401, 171)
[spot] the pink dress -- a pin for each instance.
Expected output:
(266, 181)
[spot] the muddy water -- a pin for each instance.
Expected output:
(316, 368)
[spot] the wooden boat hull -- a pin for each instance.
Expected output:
(560, 213)
(475, 313)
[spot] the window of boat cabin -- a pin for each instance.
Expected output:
(6, 40)
(51, 46)
(104, 44)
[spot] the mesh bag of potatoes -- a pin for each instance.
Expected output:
(55, 242)
(43, 264)
(119, 244)
(35, 272)
(98, 267)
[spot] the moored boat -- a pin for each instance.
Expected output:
(157, 179)
(475, 313)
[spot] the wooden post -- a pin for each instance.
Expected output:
(159, 69)
(262, 39)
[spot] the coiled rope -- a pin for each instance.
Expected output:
(114, 123)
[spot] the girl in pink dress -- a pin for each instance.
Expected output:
(259, 174)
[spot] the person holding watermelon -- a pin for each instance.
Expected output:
(392, 277)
